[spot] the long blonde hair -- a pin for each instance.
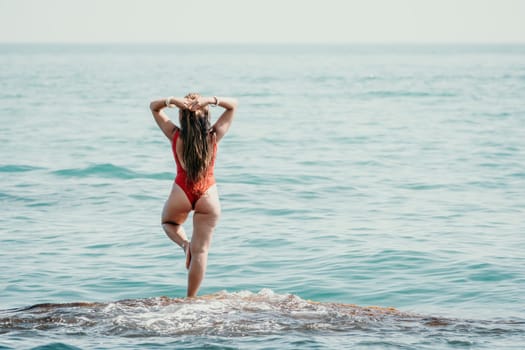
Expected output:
(197, 150)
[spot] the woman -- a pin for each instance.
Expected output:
(194, 146)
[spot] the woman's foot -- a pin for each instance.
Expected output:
(186, 247)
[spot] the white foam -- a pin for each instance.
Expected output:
(224, 313)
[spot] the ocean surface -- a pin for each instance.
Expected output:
(373, 197)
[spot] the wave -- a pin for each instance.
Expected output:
(232, 315)
(108, 170)
(17, 168)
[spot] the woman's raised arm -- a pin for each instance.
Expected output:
(163, 121)
(224, 122)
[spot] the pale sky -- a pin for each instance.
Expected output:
(263, 21)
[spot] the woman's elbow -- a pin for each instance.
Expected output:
(152, 106)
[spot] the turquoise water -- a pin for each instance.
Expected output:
(368, 175)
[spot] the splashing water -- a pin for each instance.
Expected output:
(231, 315)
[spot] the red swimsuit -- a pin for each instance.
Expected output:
(193, 190)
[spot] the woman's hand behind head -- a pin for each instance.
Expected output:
(199, 103)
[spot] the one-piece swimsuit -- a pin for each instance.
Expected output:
(193, 190)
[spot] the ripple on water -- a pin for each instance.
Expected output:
(108, 170)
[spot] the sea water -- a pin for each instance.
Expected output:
(353, 176)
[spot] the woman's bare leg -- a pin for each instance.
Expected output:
(175, 212)
(207, 212)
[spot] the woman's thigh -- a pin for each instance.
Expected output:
(177, 206)
(205, 218)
